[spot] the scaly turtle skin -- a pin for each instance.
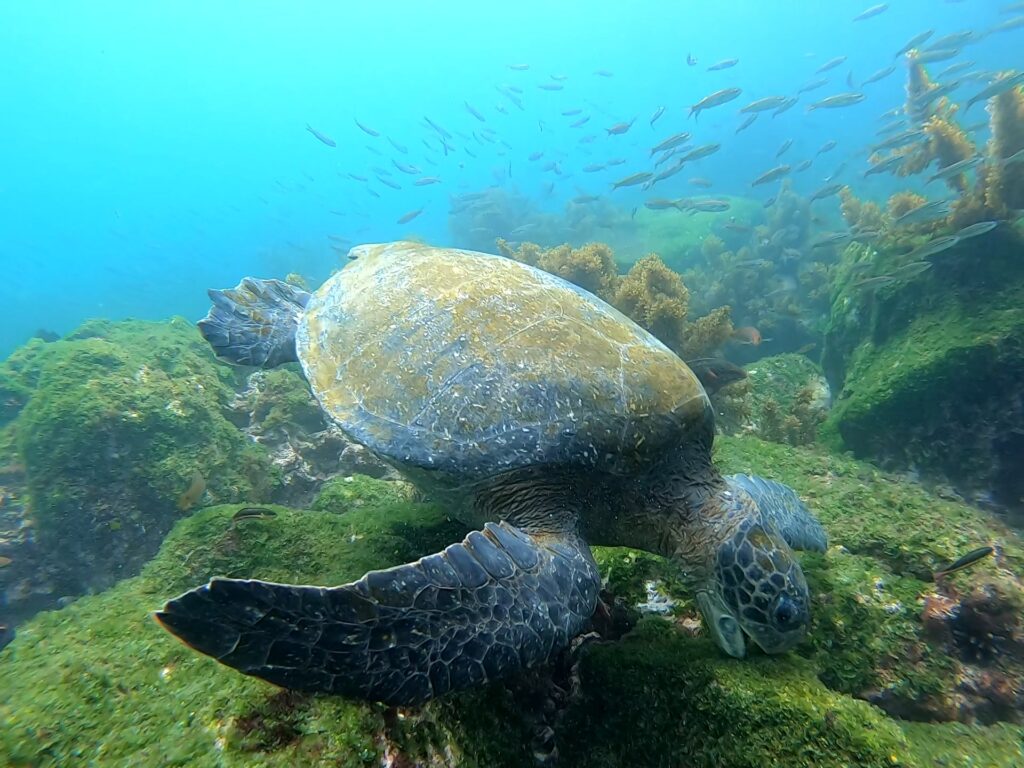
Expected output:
(534, 411)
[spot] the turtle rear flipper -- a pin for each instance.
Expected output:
(254, 322)
(497, 602)
(780, 506)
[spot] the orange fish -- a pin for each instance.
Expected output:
(747, 334)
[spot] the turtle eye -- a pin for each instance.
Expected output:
(786, 611)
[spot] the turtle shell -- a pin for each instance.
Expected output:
(470, 365)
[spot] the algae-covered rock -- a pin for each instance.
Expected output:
(789, 399)
(99, 682)
(927, 371)
(870, 590)
(278, 411)
(122, 430)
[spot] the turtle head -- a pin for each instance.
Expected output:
(755, 589)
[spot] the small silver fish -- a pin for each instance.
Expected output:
(932, 247)
(785, 106)
(875, 282)
(771, 175)
(955, 169)
(834, 238)
(747, 123)
(763, 105)
(977, 229)
(702, 151)
(871, 12)
(365, 129)
(633, 180)
(925, 212)
(914, 42)
(828, 191)
(879, 75)
(715, 99)
(839, 100)
(671, 142)
(724, 64)
(830, 64)
(322, 137)
(912, 269)
(813, 85)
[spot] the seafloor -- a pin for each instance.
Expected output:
(102, 436)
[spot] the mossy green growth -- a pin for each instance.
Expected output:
(659, 698)
(866, 636)
(280, 399)
(927, 370)
(887, 538)
(341, 494)
(955, 745)
(99, 682)
(120, 418)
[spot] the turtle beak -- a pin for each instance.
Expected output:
(722, 624)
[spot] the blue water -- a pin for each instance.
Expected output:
(150, 150)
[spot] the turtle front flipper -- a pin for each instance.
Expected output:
(254, 322)
(780, 506)
(497, 602)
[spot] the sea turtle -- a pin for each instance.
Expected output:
(535, 412)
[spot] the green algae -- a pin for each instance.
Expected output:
(788, 398)
(887, 537)
(118, 418)
(98, 681)
(955, 745)
(282, 400)
(925, 370)
(657, 698)
(341, 494)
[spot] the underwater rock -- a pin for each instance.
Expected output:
(120, 423)
(657, 696)
(785, 401)
(927, 371)
(277, 410)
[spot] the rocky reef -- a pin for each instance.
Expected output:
(98, 680)
(926, 370)
(922, 345)
(767, 268)
(784, 399)
(113, 433)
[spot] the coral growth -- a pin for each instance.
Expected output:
(591, 266)
(655, 297)
(859, 214)
(1004, 183)
(651, 294)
